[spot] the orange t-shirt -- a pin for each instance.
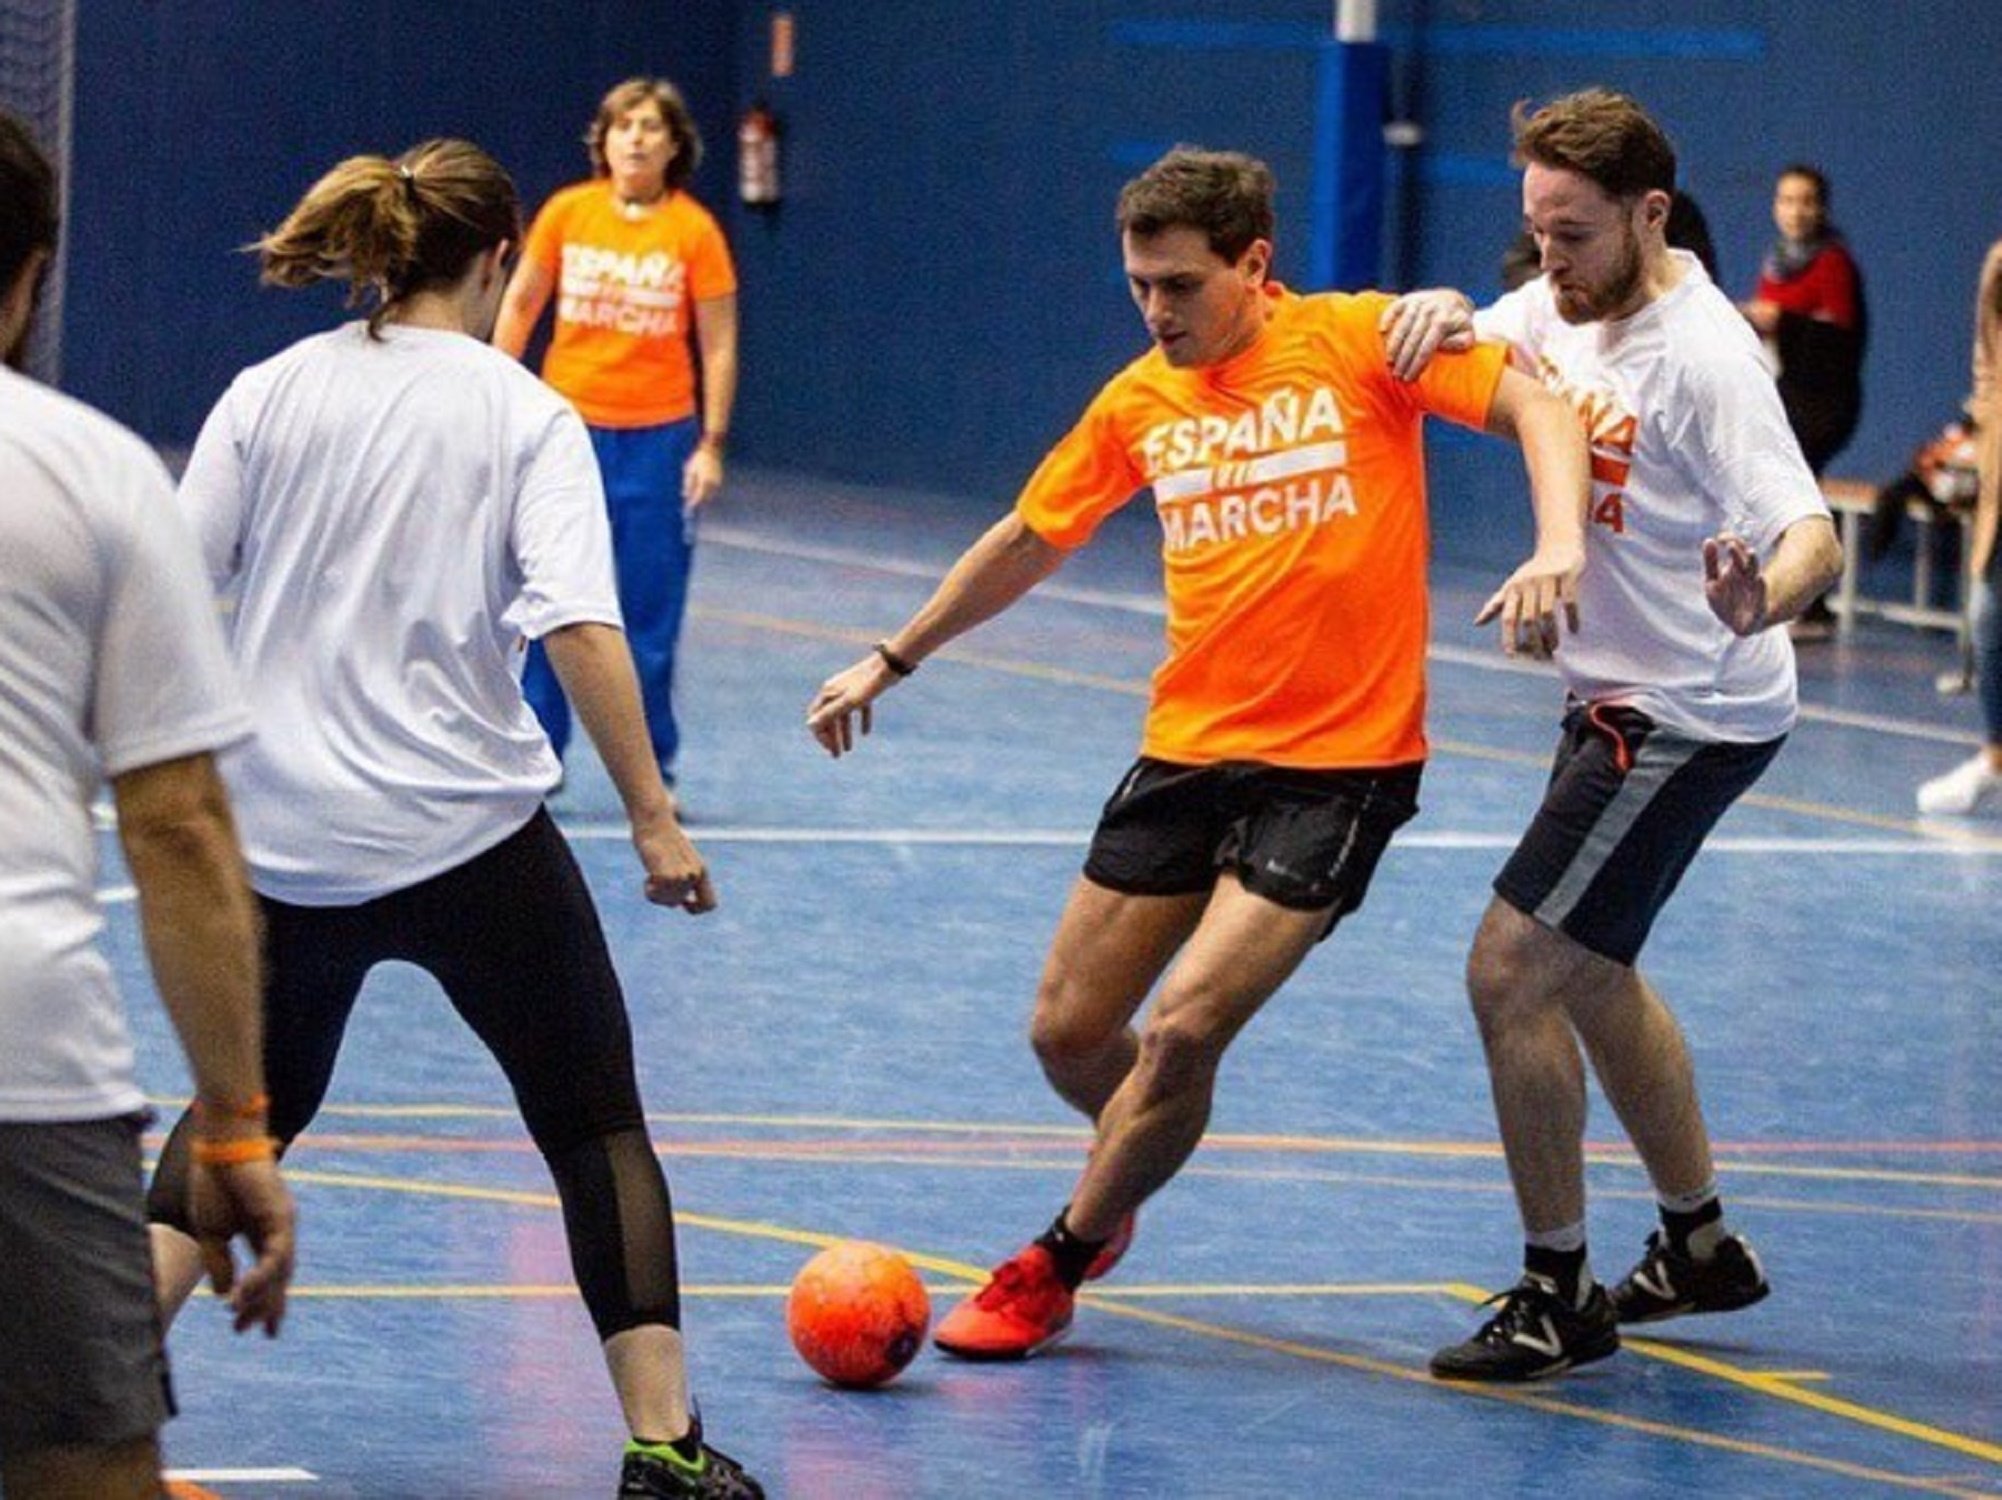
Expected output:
(624, 295)
(1290, 485)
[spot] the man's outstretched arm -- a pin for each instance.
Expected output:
(993, 573)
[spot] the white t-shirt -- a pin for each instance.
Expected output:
(392, 519)
(110, 661)
(1688, 440)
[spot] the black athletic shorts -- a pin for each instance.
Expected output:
(1629, 803)
(1301, 839)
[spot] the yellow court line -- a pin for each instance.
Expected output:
(532, 1291)
(1079, 1133)
(1780, 1385)
(973, 1275)
(1513, 1396)
(1220, 1141)
(1775, 1385)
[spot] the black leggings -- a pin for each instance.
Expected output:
(514, 939)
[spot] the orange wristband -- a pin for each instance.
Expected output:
(235, 1153)
(256, 1109)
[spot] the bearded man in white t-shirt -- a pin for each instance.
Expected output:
(1707, 532)
(111, 665)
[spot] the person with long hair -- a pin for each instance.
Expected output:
(396, 507)
(1975, 785)
(643, 283)
(1808, 307)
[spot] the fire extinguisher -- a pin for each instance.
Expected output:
(758, 157)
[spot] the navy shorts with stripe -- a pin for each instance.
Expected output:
(1629, 803)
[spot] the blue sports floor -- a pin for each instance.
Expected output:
(840, 1051)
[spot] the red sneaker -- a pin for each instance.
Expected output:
(1121, 1241)
(1023, 1309)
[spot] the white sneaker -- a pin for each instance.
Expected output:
(1964, 789)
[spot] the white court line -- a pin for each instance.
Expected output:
(1053, 838)
(244, 1476)
(1062, 838)
(1152, 606)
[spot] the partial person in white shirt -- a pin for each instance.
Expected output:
(396, 508)
(111, 666)
(1707, 532)
(1975, 785)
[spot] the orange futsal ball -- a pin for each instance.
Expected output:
(857, 1313)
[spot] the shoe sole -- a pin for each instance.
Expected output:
(1690, 1309)
(978, 1355)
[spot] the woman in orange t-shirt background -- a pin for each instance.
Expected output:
(643, 283)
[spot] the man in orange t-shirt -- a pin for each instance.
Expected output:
(1285, 731)
(639, 273)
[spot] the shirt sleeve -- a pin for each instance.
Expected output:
(213, 497)
(561, 537)
(1081, 481)
(1461, 387)
(544, 245)
(711, 272)
(1742, 451)
(165, 687)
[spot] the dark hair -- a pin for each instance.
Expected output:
(1687, 229)
(1225, 194)
(1599, 134)
(673, 109)
(1813, 174)
(28, 214)
(392, 228)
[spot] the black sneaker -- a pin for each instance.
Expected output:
(1536, 1333)
(1668, 1283)
(714, 1476)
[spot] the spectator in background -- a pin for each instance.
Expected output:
(639, 269)
(1809, 310)
(1976, 783)
(111, 663)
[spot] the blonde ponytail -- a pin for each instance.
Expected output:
(391, 228)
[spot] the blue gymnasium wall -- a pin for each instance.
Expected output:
(940, 292)
(200, 122)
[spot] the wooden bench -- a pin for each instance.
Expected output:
(1852, 500)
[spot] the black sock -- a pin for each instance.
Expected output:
(1564, 1267)
(1679, 1227)
(1071, 1254)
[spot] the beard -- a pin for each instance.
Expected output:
(1591, 303)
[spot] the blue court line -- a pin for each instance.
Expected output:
(1685, 43)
